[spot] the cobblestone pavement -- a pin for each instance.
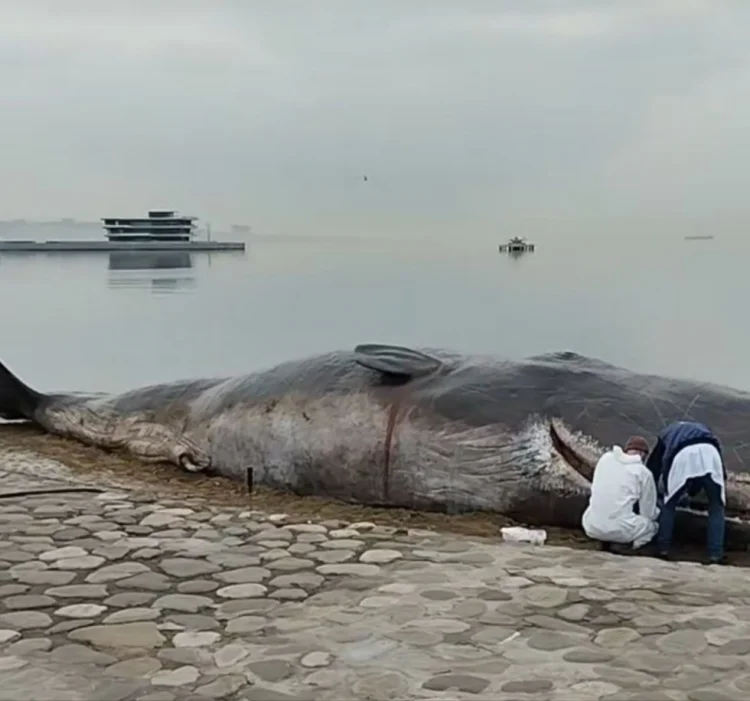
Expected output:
(113, 597)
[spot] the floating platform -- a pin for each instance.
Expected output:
(30, 246)
(516, 247)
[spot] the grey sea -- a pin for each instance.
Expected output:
(114, 321)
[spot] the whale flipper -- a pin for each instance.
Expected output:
(17, 400)
(396, 361)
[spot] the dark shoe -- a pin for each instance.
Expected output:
(612, 548)
(723, 560)
(663, 556)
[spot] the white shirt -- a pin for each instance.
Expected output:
(695, 461)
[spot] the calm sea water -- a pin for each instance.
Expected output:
(111, 322)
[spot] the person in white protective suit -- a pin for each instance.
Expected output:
(622, 481)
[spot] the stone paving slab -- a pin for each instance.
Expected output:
(116, 598)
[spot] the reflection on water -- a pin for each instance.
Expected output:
(515, 255)
(147, 269)
(149, 260)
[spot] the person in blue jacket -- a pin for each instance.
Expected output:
(687, 460)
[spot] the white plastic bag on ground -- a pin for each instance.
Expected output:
(516, 534)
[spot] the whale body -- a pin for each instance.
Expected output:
(420, 428)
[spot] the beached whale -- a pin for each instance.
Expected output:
(417, 428)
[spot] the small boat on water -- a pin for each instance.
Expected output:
(516, 245)
(706, 237)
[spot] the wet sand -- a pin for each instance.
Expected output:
(95, 467)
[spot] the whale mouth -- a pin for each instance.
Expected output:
(580, 458)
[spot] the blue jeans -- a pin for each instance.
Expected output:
(715, 534)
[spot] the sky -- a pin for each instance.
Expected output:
(467, 118)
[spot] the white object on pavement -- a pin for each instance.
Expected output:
(516, 534)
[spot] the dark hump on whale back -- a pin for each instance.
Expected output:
(600, 399)
(571, 359)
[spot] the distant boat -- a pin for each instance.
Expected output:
(698, 238)
(516, 245)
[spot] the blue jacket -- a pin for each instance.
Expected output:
(672, 440)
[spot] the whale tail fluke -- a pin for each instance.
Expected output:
(17, 400)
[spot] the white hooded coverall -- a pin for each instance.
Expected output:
(620, 480)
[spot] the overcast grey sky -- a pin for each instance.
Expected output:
(465, 115)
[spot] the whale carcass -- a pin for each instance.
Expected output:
(393, 426)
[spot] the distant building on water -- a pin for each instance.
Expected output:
(160, 225)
